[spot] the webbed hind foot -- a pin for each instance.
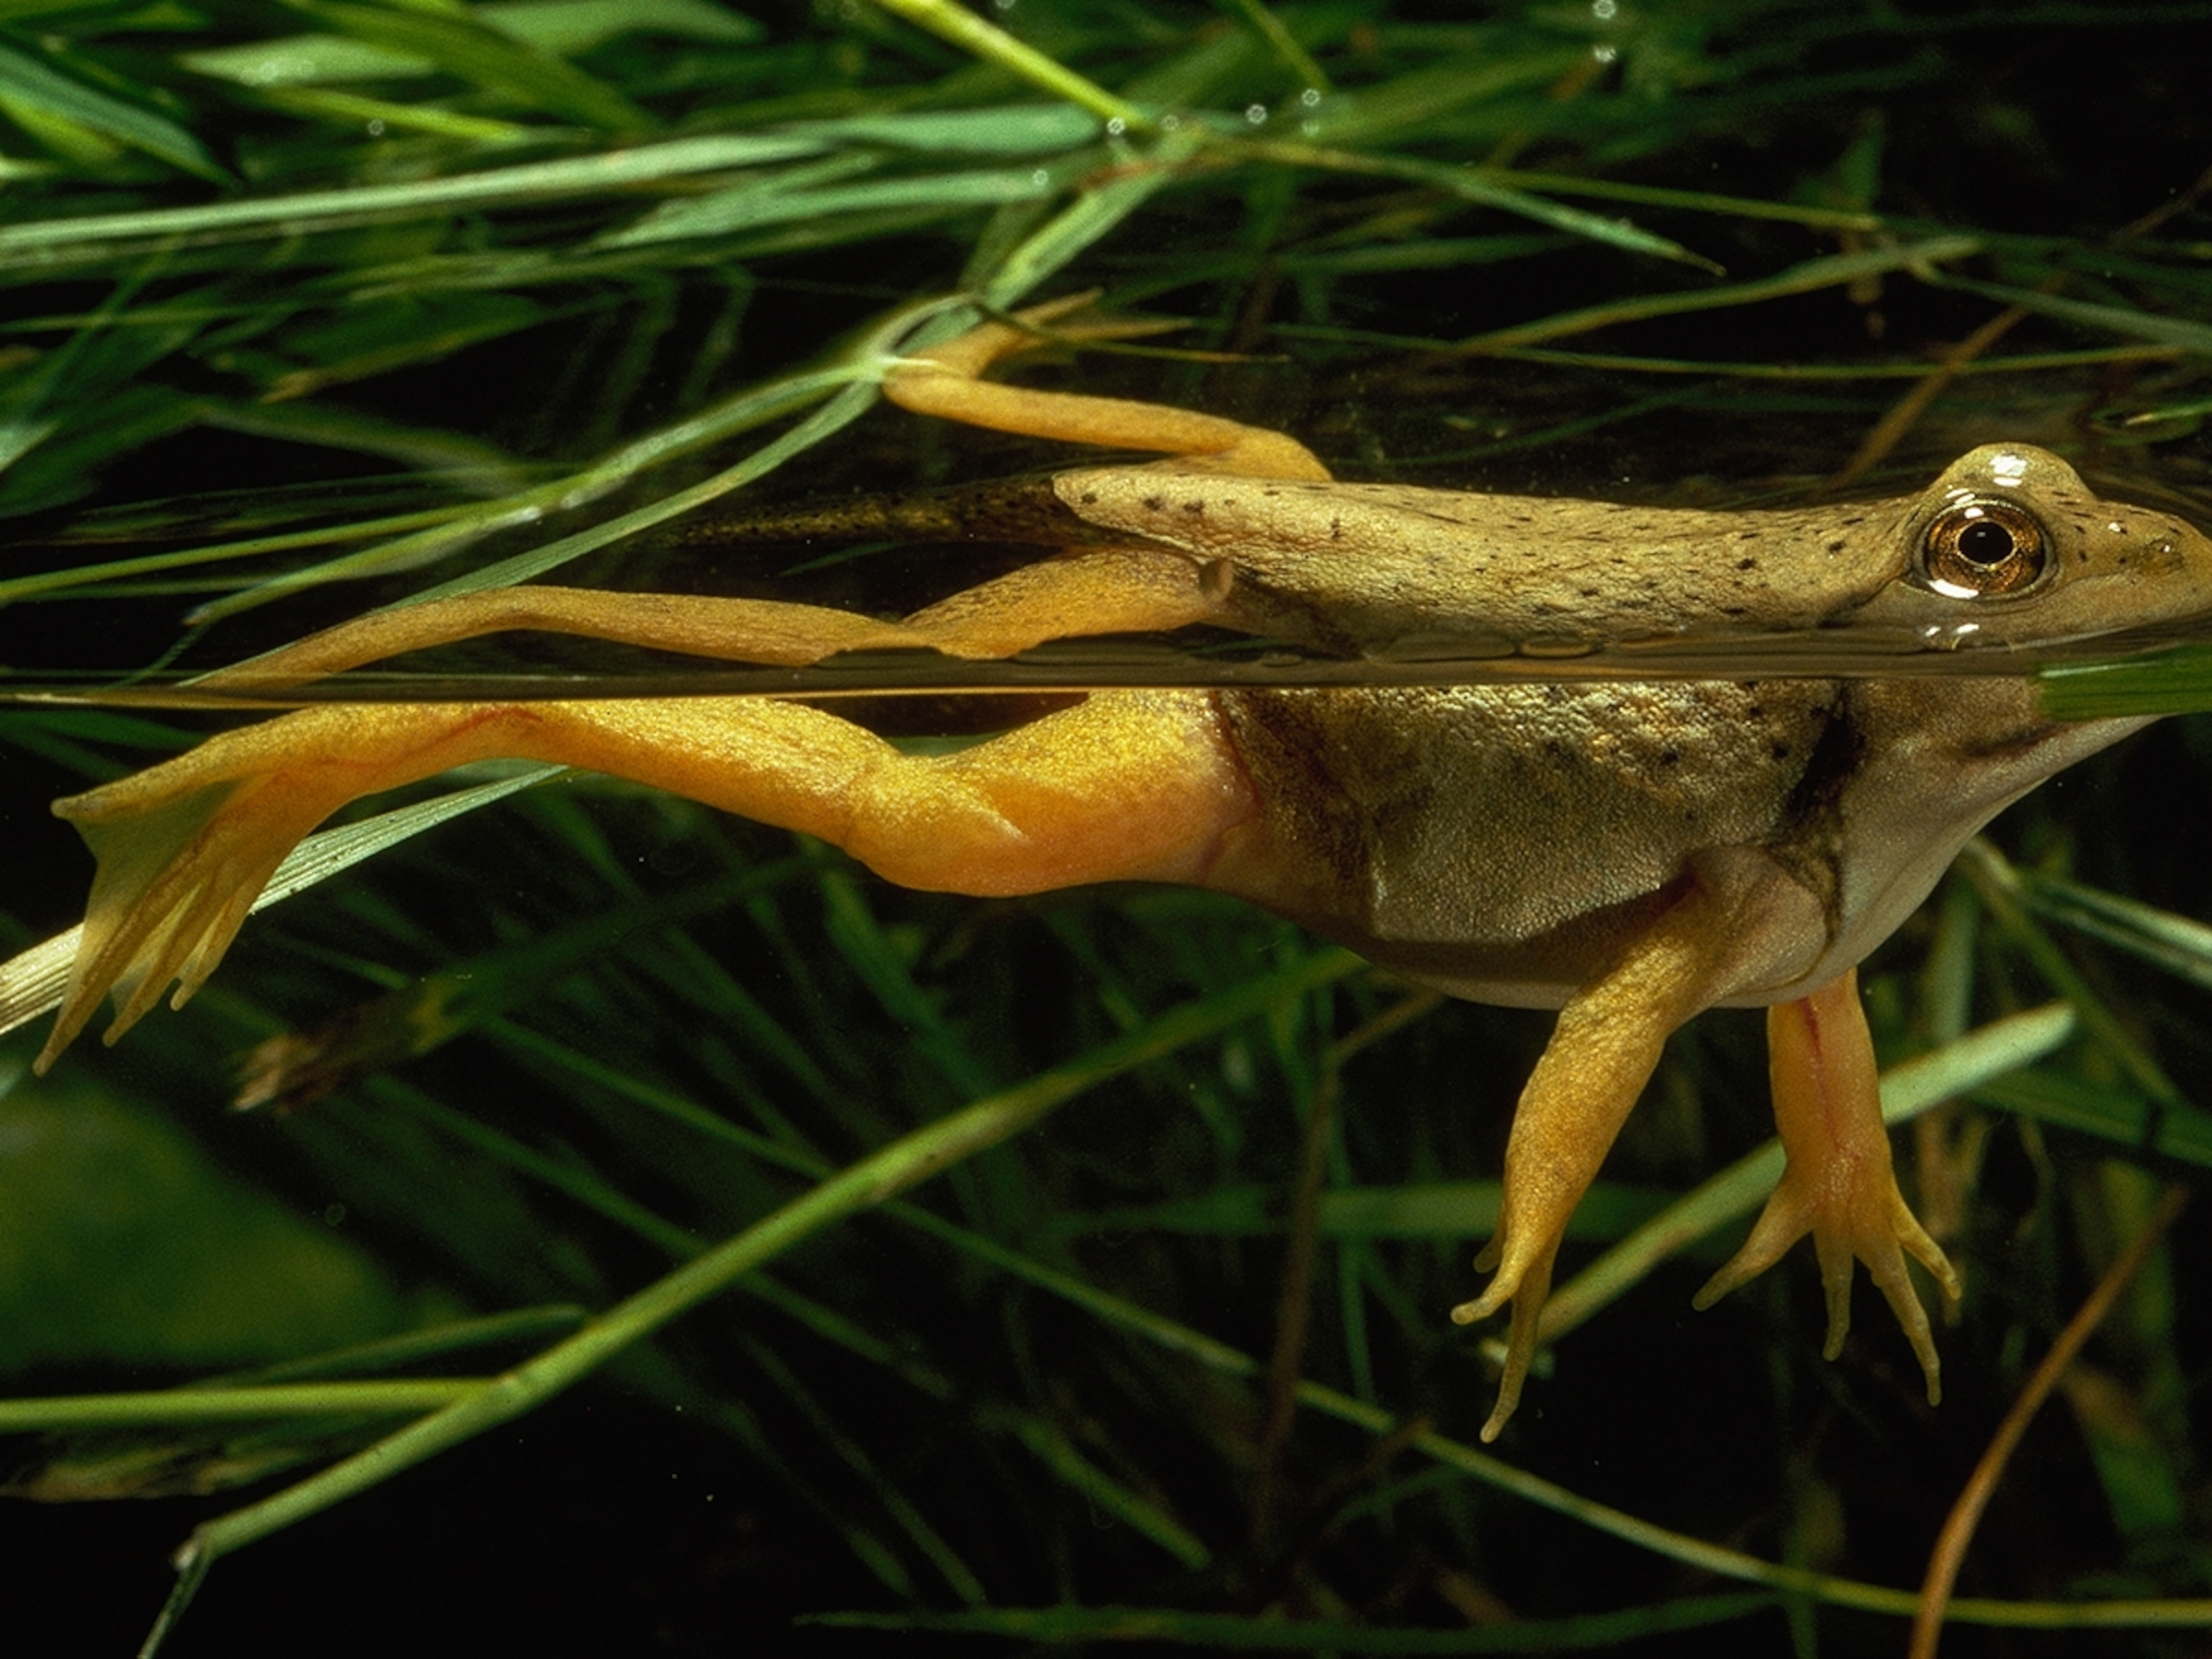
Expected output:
(1840, 1184)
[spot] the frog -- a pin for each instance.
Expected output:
(1628, 852)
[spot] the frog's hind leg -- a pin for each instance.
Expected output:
(1838, 1183)
(946, 380)
(1601, 1053)
(1102, 590)
(1125, 786)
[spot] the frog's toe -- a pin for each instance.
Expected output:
(176, 878)
(1882, 1242)
(1838, 1183)
(1858, 1217)
(1524, 1278)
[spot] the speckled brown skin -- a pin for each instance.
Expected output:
(1372, 568)
(1497, 841)
(1628, 853)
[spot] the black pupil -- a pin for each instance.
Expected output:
(1984, 542)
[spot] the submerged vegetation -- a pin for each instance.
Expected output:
(325, 304)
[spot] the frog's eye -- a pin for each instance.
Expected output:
(1983, 547)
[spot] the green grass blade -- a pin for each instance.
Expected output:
(914, 1158)
(992, 44)
(45, 99)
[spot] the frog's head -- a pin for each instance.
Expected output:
(2009, 548)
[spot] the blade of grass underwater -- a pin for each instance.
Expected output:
(175, 1407)
(2024, 362)
(1040, 1437)
(1050, 1446)
(1998, 883)
(2176, 682)
(561, 27)
(31, 982)
(377, 340)
(2180, 945)
(35, 93)
(2176, 331)
(1494, 1472)
(995, 45)
(1271, 1633)
(905, 1513)
(67, 581)
(860, 937)
(105, 354)
(748, 410)
(1100, 206)
(1693, 201)
(881, 1175)
(439, 1341)
(568, 27)
(567, 1176)
(1263, 22)
(692, 976)
(2126, 1119)
(464, 463)
(853, 380)
(317, 1385)
(42, 245)
(724, 212)
(984, 130)
(379, 114)
(1486, 189)
(1448, 94)
(304, 60)
(1451, 1211)
(459, 45)
(425, 1013)
(1830, 271)
(215, 1433)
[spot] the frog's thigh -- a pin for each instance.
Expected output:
(1838, 1183)
(946, 381)
(1125, 786)
(1132, 785)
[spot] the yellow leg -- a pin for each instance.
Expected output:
(1125, 786)
(947, 381)
(1117, 591)
(184, 849)
(1114, 590)
(1838, 1184)
(1601, 1055)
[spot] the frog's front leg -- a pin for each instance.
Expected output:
(1601, 1053)
(946, 380)
(1139, 786)
(1838, 1184)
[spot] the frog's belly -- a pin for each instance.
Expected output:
(1499, 841)
(1502, 842)
(1777, 955)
